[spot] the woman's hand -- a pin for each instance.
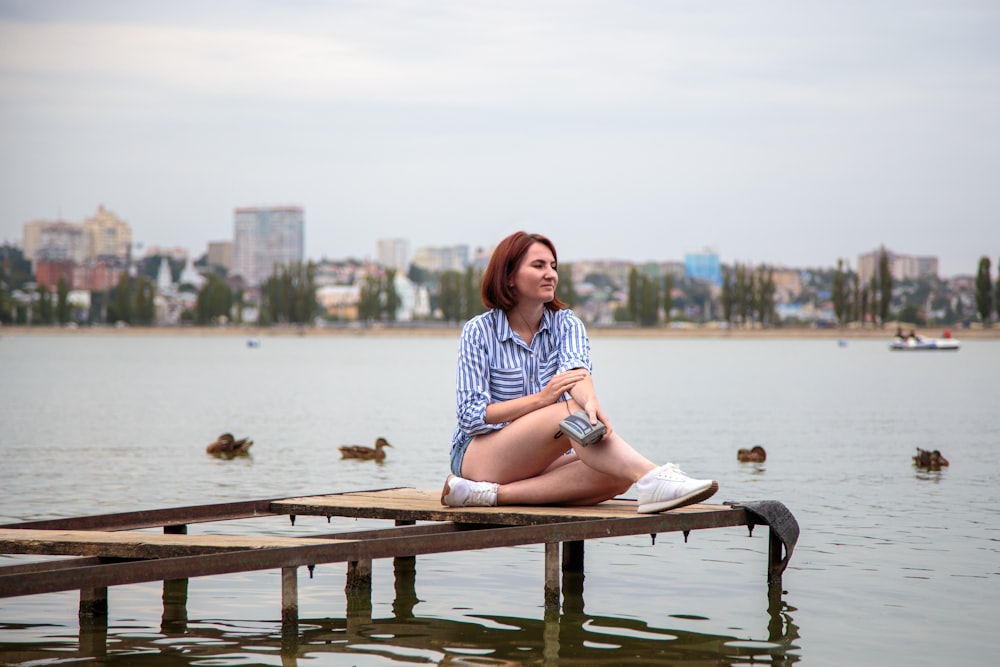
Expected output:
(562, 383)
(594, 411)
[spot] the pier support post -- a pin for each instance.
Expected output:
(289, 602)
(175, 594)
(552, 575)
(572, 558)
(572, 577)
(93, 602)
(774, 548)
(359, 576)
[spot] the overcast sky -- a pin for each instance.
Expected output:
(789, 133)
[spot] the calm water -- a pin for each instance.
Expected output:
(894, 565)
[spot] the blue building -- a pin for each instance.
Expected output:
(703, 266)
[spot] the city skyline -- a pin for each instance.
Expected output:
(776, 133)
(282, 228)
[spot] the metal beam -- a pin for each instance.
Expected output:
(94, 576)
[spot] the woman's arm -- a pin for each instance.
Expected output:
(508, 411)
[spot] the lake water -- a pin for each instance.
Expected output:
(894, 565)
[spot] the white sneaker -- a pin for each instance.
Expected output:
(460, 492)
(667, 487)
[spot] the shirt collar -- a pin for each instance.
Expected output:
(507, 333)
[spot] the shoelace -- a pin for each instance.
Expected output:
(670, 469)
(481, 493)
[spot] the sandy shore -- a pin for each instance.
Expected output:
(454, 331)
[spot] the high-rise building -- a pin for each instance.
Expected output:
(54, 241)
(393, 254)
(266, 237)
(107, 235)
(445, 258)
(901, 267)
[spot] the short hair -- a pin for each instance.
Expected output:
(496, 289)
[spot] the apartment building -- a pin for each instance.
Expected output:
(266, 237)
(901, 267)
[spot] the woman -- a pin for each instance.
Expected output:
(523, 366)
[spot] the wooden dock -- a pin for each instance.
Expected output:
(108, 550)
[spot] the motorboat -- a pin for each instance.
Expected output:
(920, 343)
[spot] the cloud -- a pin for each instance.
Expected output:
(703, 119)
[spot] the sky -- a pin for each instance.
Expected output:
(791, 133)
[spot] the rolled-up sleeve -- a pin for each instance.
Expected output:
(574, 344)
(472, 384)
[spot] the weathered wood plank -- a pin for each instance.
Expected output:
(174, 516)
(425, 505)
(124, 544)
(330, 551)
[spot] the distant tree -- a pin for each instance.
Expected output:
(46, 308)
(839, 293)
(984, 291)
(765, 296)
(289, 294)
(368, 300)
(214, 301)
(418, 276)
(727, 297)
(667, 300)
(873, 300)
(649, 301)
(120, 307)
(239, 301)
(472, 303)
(450, 296)
(634, 294)
(860, 300)
(144, 295)
(885, 286)
(742, 294)
(62, 301)
(565, 289)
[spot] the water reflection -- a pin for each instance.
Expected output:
(569, 637)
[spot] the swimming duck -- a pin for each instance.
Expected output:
(227, 445)
(755, 455)
(932, 460)
(375, 453)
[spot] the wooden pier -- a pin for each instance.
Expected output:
(108, 551)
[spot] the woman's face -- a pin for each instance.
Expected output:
(535, 278)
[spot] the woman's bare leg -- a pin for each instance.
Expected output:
(524, 458)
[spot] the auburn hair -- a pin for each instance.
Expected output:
(497, 290)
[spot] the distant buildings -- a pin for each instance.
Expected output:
(265, 237)
(101, 236)
(393, 254)
(442, 258)
(88, 256)
(901, 267)
(220, 253)
(704, 265)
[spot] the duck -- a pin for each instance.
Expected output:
(755, 455)
(932, 460)
(376, 453)
(227, 445)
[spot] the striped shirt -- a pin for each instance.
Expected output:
(495, 364)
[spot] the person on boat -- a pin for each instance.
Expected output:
(914, 337)
(899, 333)
(523, 366)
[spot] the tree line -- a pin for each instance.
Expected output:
(745, 298)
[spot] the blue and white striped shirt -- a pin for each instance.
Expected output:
(495, 364)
